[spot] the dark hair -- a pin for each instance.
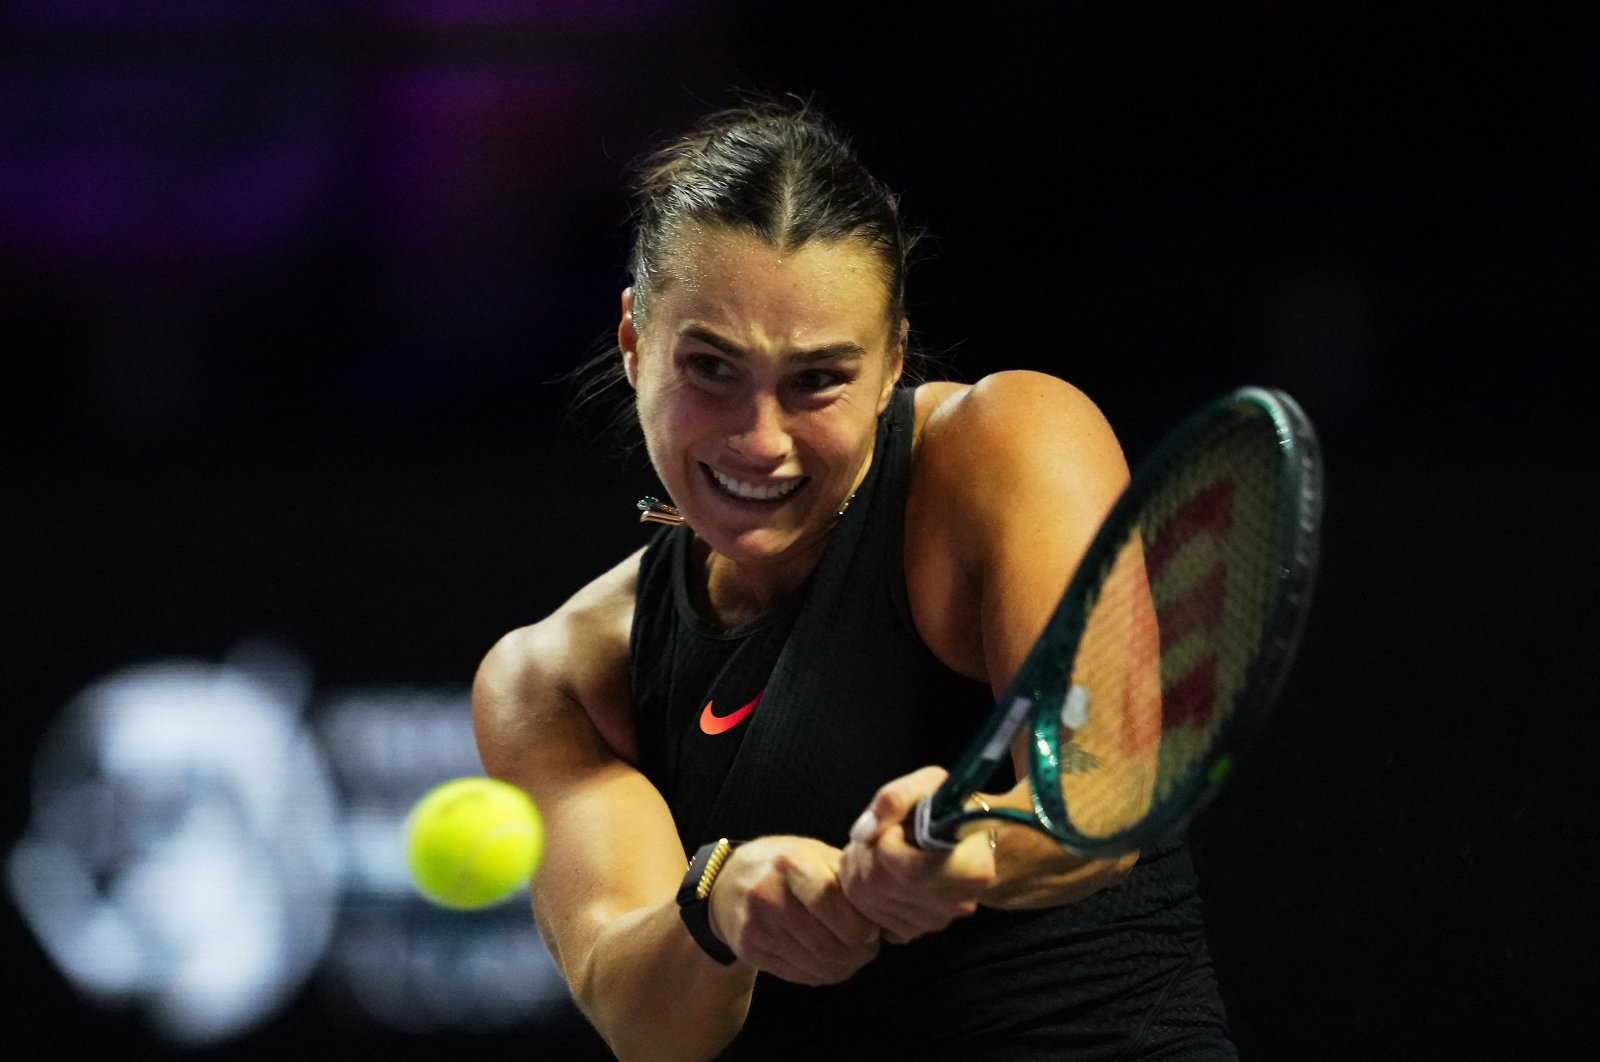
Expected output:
(783, 173)
(776, 169)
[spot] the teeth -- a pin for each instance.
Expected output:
(750, 490)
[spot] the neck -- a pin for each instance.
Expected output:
(733, 594)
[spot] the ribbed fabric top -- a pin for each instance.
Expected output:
(849, 698)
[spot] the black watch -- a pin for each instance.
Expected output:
(694, 893)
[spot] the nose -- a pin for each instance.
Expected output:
(763, 438)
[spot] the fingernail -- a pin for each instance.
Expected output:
(864, 827)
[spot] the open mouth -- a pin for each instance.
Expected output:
(751, 492)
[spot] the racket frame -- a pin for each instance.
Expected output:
(1036, 693)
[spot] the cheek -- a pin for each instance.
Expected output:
(846, 440)
(651, 392)
(668, 416)
(657, 429)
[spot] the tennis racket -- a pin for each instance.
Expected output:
(1170, 644)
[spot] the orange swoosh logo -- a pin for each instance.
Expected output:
(712, 723)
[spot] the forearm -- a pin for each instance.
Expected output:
(1032, 870)
(653, 994)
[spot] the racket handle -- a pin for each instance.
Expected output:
(921, 833)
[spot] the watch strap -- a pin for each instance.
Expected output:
(694, 895)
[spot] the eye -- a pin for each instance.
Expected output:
(819, 379)
(708, 366)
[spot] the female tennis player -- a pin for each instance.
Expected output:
(725, 731)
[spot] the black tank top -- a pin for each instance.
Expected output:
(790, 723)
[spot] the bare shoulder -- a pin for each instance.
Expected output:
(984, 445)
(1011, 415)
(1009, 477)
(575, 659)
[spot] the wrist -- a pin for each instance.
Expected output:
(694, 898)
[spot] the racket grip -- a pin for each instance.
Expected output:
(921, 833)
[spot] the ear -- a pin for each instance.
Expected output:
(628, 339)
(897, 366)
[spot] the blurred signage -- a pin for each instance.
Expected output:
(205, 839)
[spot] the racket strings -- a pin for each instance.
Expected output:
(1169, 642)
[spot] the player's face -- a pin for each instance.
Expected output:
(760, 376)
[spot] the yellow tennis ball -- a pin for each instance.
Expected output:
(473, 842)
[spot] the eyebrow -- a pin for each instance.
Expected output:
(835, 351)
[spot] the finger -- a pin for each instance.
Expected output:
(798, 948)
(808, 930)
(904, 912)
(894, 801)
(965, 870)
(909, 891)
(911, 914)
(902, 923)
(841, 919)
(850, 929)
(816, 887)
(785, 960)
(894, 861)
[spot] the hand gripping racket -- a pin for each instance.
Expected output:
(1170, 643)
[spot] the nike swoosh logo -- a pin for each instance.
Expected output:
(712, 723)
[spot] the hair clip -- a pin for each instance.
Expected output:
(653, 511)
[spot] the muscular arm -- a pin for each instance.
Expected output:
(549, 706)
(553, 714)
(1037, 467)
(1013, 476)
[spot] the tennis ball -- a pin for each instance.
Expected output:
(473, 842)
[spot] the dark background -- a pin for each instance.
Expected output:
(285, 298)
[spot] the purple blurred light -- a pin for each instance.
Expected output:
(161, 14)
(167, 14)
(479, 13)
(187, 160)
(121, 202)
